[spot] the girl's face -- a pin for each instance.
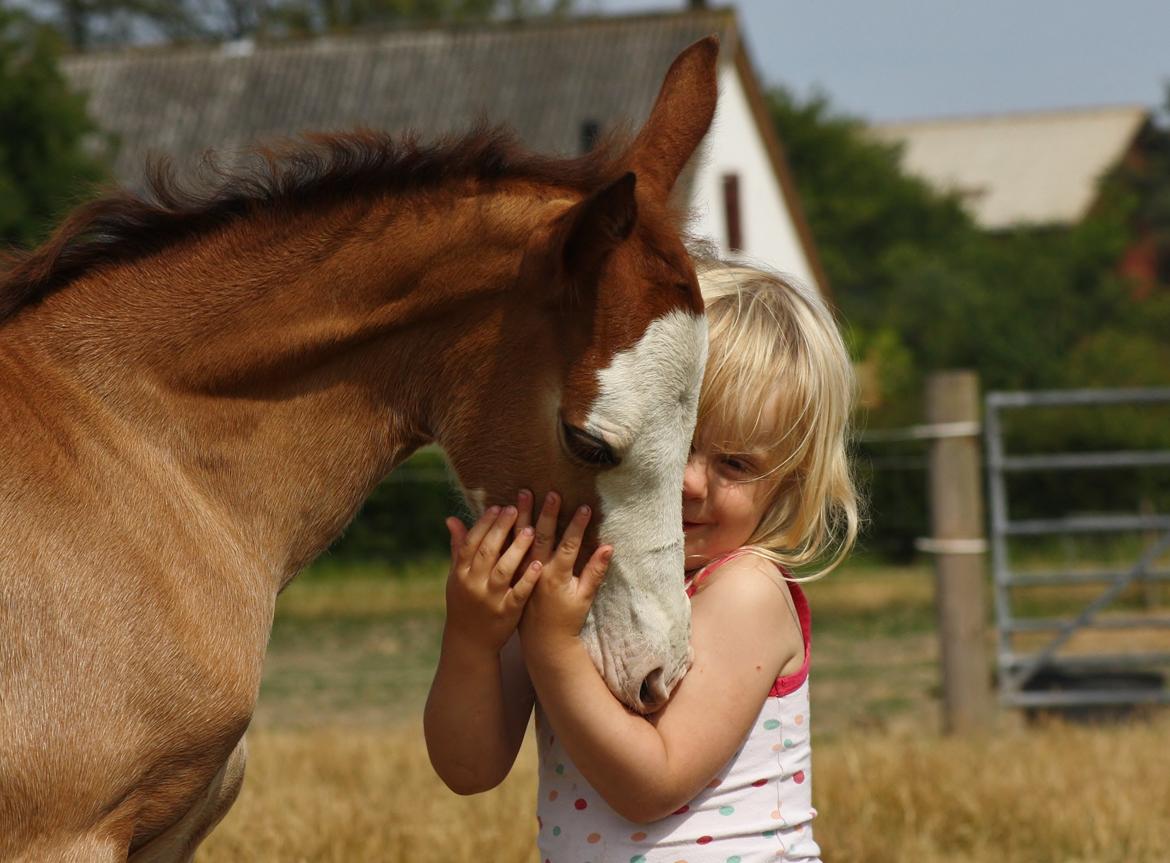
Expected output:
(723, 500)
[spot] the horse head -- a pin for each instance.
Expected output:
(603, 405)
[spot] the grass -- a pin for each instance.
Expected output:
(1057, 794)
(353, 648)
(338, 770)
(361, 649)
(1051, 795)
(345, 795)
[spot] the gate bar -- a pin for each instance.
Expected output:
(1074, 398)
(1048, 624)
(1072, 698)
(1087, 524)
(1089, 662)
(1151, 554)
(1043, 579)
(1085, 460)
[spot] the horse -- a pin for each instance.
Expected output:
(198, 389)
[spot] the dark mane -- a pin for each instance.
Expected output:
(122, 227)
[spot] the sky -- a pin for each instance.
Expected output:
(909, 59)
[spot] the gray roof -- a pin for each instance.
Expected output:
(1038, 168)
(544, 78)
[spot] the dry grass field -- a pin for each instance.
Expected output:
(1058, 795)
(338, 771)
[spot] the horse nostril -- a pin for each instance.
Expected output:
(652, 693)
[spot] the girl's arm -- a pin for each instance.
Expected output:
(476, 714)
(744, 635)
(481, 698)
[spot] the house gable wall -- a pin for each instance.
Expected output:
(735, 145)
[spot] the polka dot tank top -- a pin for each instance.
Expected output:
(758, 807)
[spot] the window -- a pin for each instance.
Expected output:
(731, 214)
(590, 132)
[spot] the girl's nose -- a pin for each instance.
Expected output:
(695, 478)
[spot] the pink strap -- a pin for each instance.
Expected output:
(790, 682)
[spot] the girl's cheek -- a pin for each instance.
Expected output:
(742, 504)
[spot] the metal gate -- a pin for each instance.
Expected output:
(1018, 666)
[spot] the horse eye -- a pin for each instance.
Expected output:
(588, 448)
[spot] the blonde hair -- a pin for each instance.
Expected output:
(779, 380)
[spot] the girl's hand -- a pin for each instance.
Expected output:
(560, 601)
(545, 538)
(483, 606)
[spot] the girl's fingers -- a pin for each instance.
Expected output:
(594, 572)
(488, 552)
(458, 535)
(473, 537)
(546, 528)
(566, 555)
(521, 590)
(523, 510)
(506, 566)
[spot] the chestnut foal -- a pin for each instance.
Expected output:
(198, 392)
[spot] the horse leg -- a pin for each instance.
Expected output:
(178, 843)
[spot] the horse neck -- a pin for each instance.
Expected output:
(285, 368)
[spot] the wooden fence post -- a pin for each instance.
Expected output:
(957, 524)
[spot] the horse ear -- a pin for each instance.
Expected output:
(680, 117)
(598, 224)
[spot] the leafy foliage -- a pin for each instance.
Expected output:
(865, 214)
(1145, 181)
(908, 265)
(403, 518)
(922, 288)
(89, 22)
(44, 166)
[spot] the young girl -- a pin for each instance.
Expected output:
(722, 772)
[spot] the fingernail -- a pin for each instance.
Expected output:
(509, 510)
(524, 494)
(551, 497)
(606, 555)
(536, 564)
(492, 510)
(528, 531)
(583, 511)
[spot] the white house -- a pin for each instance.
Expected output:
(558, 82)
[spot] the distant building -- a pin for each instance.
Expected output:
(1030, 170)
(558, 83)
(1025, 169)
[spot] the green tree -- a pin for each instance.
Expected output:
(909, 267)
(350, 14)
(1144, 181)
(44, 166)
(922, 288)
(865, 213)
(882, 236)
(86, 23)
(403, 518)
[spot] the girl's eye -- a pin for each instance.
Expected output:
(588, 448)
(736, 464)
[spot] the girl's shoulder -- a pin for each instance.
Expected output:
(754, 592)
(742, 566)
(753, 579)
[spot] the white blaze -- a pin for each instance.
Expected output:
(645, 410)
